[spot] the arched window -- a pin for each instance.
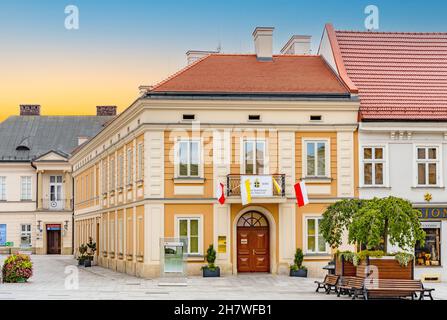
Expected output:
(252, 219)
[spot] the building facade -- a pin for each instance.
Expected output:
(148, 180)
(36, 185)
(403, 125)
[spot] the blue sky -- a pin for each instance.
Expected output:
(123, 44)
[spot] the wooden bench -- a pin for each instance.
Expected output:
(352, 286)
(395, 288)
(329, 284)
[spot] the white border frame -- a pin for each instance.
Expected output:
(327, 141)
(198, 216)
(386, 181)
(266, 156)
(305, 248)
(177, 159)
(439, 173)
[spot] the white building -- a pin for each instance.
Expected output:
(401, 81)
(36, 186)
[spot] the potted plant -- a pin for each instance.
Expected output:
(91, 249)
(82, 257)
(297, 269)
(17, 268)
(211, 270)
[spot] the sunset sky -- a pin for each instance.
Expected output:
(123, 44)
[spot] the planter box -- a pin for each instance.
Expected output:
(387, 268)
(302, 273)
(207, 273)
(87, 263)
(344, 268)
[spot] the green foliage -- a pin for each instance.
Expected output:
(346, 255)
(210, 258)
(298, 261)
(91, 248)
(336, 218)
(17, 268)
(373, 223)
(82, 252)
(404, 258)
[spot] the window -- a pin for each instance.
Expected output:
(2, 188)
(25, 236)
(316, 158)
(104, 176)
(25, 188)
(430, 253)
(188, 158)
(112, 235)
(254, 157)
(189, 228)
(104, 234)
(129, 166)
(315, 242)
(254, 117)
(120, 235)
(373, 166)
(112, 175)
(189, 117)
(120, 170)
(140, 162)
(427, 161)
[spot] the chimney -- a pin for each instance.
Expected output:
(298, 44)
(194, 55)
(30, 109)
(263, 37)
(106, 110)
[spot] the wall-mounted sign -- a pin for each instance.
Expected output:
(53, 227)
(2, 234)
(244, 241)
(433, 213)
(260, 186)
(222, 244)
(431, 224)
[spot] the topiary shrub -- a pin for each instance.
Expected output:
(211, 257)
(298, 261)
(17, 268)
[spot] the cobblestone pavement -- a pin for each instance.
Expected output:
(49, 282)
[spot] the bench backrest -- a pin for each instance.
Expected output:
(393, 284)
(331, 279)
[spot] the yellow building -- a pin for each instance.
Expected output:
(150, 177)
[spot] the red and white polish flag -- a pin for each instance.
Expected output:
(220, 192)
(301, 194)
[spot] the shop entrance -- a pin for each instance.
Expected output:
(53, 239)
(253, 253)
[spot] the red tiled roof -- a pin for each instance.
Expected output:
(231, 73)
(399, 76)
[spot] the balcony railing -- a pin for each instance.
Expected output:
(57, 205)
(234, 184)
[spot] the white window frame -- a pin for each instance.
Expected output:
(438, 161)
(26, 188)
(140, 151)
(120, 170)
(190, 217)
(129, 166)
(327, 155)
(177, 158)
(26, 233)
(2, 188)
(243, 153)
(373, 161)
(306, 218)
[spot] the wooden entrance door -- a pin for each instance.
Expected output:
(253, 254)
(53, 241)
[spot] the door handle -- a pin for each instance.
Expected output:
(254, 251)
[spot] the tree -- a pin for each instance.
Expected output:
(373, 223)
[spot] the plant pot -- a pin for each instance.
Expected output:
(81, 262)
(21, 280)
(302, 273)
(208, 273)
(87, 263)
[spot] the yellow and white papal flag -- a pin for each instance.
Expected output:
(245, 190)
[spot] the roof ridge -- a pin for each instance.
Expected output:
(393, 32)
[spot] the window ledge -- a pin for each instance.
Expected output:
(186, 180)
(428, 187)
(375, 187)
(195, 257)
(430, 267)
(317, 179)
(321, 256)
